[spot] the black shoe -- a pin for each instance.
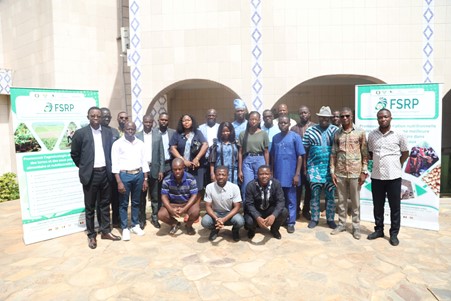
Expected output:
(375, 234)
(276, 234)
(290, 229)
(394, 241)
(213, 235)
(92, 242)
(142, 225)
(332, 224)
(236, 235)
(312, 224)
(155, 223)
(250, 233)
(306, 215)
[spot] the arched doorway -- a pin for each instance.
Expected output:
(336, 91)
(195, 97)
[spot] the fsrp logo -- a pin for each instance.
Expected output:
(397, 103)
(58, 107)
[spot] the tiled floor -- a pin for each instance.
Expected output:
(307, 265)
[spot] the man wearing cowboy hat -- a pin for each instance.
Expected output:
(318, 141)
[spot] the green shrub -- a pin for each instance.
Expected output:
(9, 189)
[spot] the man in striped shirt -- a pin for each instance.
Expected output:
(318, 141)
(178, 195)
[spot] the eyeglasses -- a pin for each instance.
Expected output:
(345, 116)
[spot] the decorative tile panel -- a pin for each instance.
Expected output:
(134, 61)
(428, 35)
(6, 80)
(256, 53)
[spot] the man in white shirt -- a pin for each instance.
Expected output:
(223, 204)
(210, 128)
(131, 171)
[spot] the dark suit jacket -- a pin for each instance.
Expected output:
(82, 152)
(171, 133)
(157, 152)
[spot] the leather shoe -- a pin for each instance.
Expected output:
(236, 235)
(394, 241)
(110, 236)
(190, 230)
(332, 224)
(276, 234)
(375, 234)
(155, 223)
(213, 235)
(312, 224)
(306, 215)
(250, 233)
(92, 242)
(142, 225)
(290, 229)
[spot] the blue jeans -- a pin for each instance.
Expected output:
(237, 221)
(290, 203)
(250, 169)
(133, 184)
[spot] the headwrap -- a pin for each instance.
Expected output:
(239, 104)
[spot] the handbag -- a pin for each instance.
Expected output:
(195, 148)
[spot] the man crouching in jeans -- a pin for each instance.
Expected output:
(178, 195)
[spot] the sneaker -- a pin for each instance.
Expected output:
(290, 228)
(338, 229)
(332, 224)
(312, 224)
(356, 234)
(190, 230)
(394, 241)
(213, 235)
(375, 234)
(137, 230)
(125, 234)
(174, 229)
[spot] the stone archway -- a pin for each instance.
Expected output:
(195, 97)
(336, 91)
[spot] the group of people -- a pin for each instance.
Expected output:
(258, 168)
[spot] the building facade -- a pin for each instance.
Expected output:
(191, 55)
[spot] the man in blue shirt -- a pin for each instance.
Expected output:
(286, 160)
(178, 195)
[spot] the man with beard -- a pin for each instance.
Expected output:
(154, 153)
(300, 128)
(122, 119)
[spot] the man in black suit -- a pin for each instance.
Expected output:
(91, 153)
(154, 153)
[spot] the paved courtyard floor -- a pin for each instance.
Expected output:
(307, 265)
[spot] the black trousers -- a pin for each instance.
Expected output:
(99, 185)
(114, 200)
(392, 190)
(251, 223)
(152, 194)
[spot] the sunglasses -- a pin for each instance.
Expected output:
(345, 116)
